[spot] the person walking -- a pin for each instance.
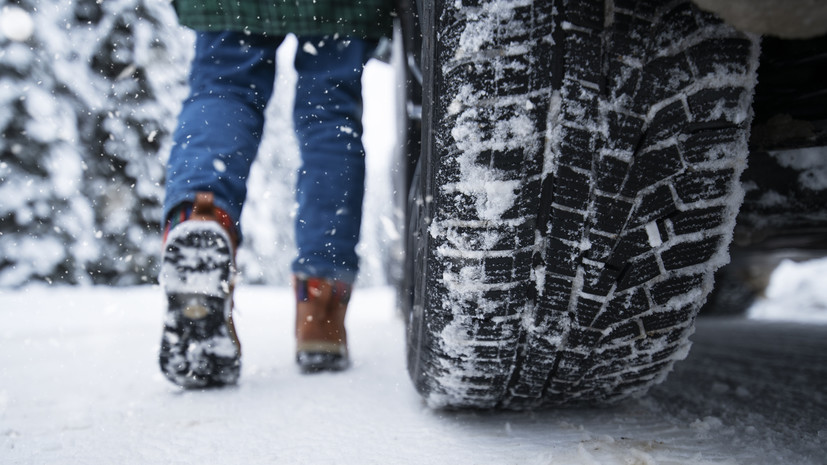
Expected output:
(219, 131)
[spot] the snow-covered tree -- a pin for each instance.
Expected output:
(87, 102)
(138, 65)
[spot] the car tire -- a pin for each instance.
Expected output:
(577, 189)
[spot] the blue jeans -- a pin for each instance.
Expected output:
(220, 128)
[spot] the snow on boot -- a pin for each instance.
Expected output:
(199, 346)
(321, 340)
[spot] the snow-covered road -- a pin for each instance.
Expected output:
(79, 384)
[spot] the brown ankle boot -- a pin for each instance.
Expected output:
(321, 340)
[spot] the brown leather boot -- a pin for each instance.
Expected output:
(199, 345)
(321, 340)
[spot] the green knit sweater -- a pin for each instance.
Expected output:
(349, 18)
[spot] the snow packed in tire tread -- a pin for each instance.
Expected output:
(582, 191)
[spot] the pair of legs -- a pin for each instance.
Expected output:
(221, 124)
(220, 129)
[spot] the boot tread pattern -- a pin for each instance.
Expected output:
(198, 346)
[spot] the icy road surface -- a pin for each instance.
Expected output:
(79, 384)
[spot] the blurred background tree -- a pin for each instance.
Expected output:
(89, 98)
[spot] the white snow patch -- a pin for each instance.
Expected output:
(309, 49)
(772, 199)
(492, 193)
(810, 161)
(682, 352)
(16, 24)
(797, 292)
(484, 25)
(66, 170)
(653, 233)
(553, 133)
(219, 165)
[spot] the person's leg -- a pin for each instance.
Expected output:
(221, 122)
(219, 132)
(330, 185)
(329, 191)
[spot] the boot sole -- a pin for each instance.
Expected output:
(199, 347)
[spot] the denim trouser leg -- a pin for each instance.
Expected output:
(221, 122)
(330, 184)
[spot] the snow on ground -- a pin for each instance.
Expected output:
(797, 292)
(79, 384)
